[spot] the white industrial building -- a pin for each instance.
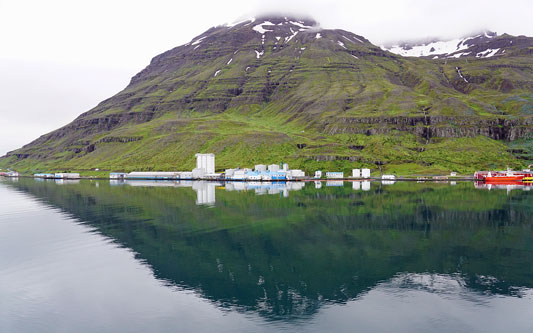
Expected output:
(67, 176)
(296, 173)
(356, 173)
(273, 167)
(365, 173)
(260, 168)
(334, 175)
(206, 162)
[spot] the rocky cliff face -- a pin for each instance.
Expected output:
(282, 88)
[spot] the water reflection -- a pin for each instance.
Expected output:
(504, 186)
(286, 256)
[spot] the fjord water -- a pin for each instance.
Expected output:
(144, 256)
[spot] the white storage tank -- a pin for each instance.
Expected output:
(273, 168)
(356, 173)
(285, 167)
(206, 162)
(365, 173)
(260, 168)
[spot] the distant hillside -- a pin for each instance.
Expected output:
(282, 89)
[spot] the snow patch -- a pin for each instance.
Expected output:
(198, 41)
(259, 28)
(341, 43)
(491, 53)
(357, 39)
(247, 68)
(347, 38)
(259, 54)
(460, 74)
(318, 35)
(197, 46)
(302, 48)
(235, 52)
(278, 38)
(216, 73)
(354, 56)
(231, 25)
(229, 62)
(460, 54)
(288, 39)
(440, 47)
(487, 53)
(298, 24)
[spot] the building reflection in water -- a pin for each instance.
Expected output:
(358, 185)
(503, 186)
(205, 190)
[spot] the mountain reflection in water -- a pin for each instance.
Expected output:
(284, 256)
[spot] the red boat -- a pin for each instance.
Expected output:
(502, 176)
(504, 179)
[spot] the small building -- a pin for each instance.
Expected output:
(64, 175)
(273, 168)
(285, 167)
(252, 175)
(356, 173)
(296, 173)
(365, 173)
(117, 175)
(229, 173)
(334, 175)
(260, 168)
(238, 174)
(185, 175)
(388, 177)
(453, 174)
(318, 174)
(266, 176)
(152, 175)
(198, 173)
(44, 175)
(280, 175)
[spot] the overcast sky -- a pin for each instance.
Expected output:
(60, 58)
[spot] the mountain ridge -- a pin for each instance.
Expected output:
(283, 89)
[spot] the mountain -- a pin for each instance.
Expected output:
(484, 45)
(277, 89)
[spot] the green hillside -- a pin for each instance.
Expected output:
(321, 99)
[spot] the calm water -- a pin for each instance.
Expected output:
(144, 256)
